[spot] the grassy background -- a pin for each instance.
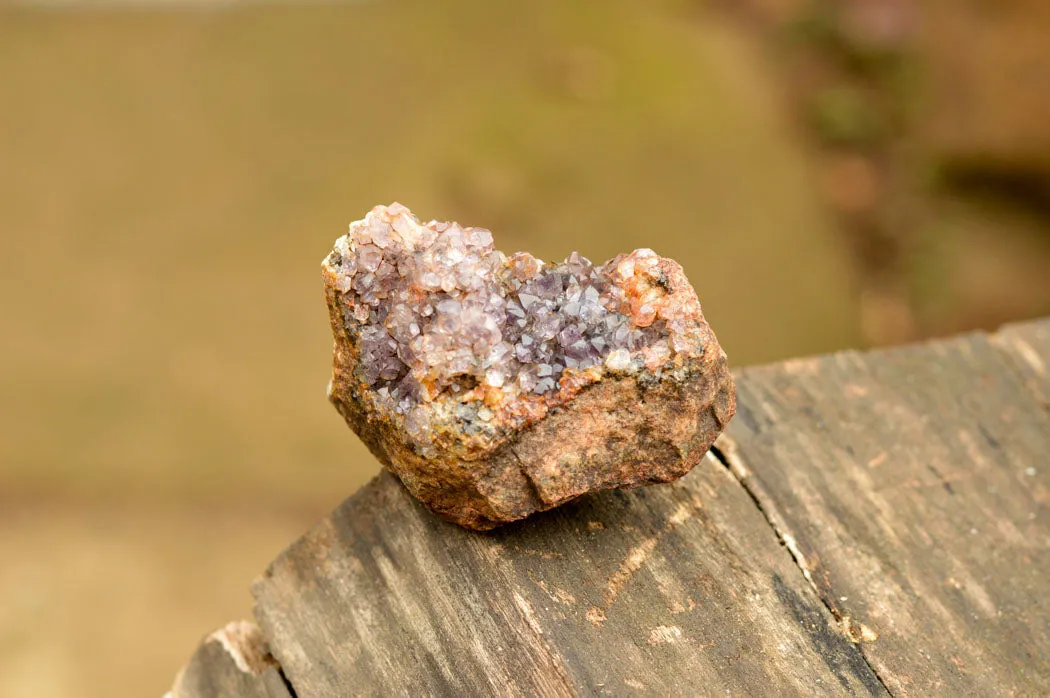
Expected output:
(171, 182)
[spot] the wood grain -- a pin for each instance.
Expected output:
(913, 488)
(1028, 346)
(679, 589)
(872, 523)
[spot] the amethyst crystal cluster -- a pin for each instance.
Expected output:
(456, 347)
(438, 308)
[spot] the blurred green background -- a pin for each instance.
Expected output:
(830, 174)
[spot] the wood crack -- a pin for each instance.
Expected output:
(287, 684)
(726, 453)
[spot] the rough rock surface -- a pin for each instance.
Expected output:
(497, 386)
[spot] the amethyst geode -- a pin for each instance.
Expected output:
(498, 386)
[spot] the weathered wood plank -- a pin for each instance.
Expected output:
(233, 662)
(910, 486)
(679, 589)
(1028, 345)
(913, 487)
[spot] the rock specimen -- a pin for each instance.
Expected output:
(498, 386)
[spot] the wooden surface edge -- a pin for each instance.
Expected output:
(1027, 345)
(233, 662)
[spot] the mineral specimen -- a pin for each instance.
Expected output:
(498, 386)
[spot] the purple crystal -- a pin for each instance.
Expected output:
(435, 304)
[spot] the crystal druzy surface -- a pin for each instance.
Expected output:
(456, 347)
(438, 310)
